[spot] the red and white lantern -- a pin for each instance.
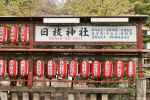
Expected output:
(23, 70)
(62, 68)
(107, 69)
(51, 68)
(84, 68)
(73, 68)
(13, 34)
(119, 69)
(24, 36)
(2, 67)
(96, 69)
(131, 69)
(3, 34)
(39, 68)
(13, 67)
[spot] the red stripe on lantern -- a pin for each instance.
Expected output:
(131, 69)
(3, 34)
(119, 69)
(24, 36)
(107, 69)
(23, 68)
(13, 67)
(13, 34)
(84, 68)
(96, 69)
(62, 68)
(73, 68)
(2, 67)
(39, 68)
(51, 68)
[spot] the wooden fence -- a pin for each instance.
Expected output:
(80, 91)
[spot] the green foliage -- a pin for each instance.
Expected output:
(18, 7)
(142, 7)
(97, 7)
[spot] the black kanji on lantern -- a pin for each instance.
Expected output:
(83, 32)
(70, 31)
(44, 31)
(57, 32)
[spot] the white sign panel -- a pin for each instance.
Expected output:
(148, 32)
(85, 34)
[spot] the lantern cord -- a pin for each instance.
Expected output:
(50, 82)
(72, 82)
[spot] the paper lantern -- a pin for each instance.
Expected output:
(73, 68)
(3, 34)
(51, 68)
(39, 68)
(107, 69)
(62, 68)
(24, 36)
(2, 67)
(13, 67)
(13, 34)
(119, 69)
(23, 70)
(96, 69)
(84, 69)
(131, 69)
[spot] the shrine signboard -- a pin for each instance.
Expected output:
(85, 34)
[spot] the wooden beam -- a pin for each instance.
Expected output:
(70, 90)
(75, 50)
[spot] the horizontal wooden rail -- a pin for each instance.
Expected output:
(81, 81)
(70, 55)
(84, 81)
(18, 47)
(86, 43)
(77, 50)
(69, 89)
(13, 80)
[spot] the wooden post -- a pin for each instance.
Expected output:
(141, 89)
(25, 96)
(127, 96)
(14, 96)
(4, 96)
(115, 96)
(140, 47)
(76, 96)
(36, 96)
(47, 96)
(104, 96)
(70, 96)
(147, 96)
(93, 97)
(81, 96)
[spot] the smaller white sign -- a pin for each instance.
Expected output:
(148, 32)
(85, 34)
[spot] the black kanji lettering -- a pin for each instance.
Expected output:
(70, 31)
(83, 32)
(57, 32)
(44, 31)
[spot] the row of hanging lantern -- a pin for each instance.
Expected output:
(71, 68)
(13, 34)
(13, 67)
